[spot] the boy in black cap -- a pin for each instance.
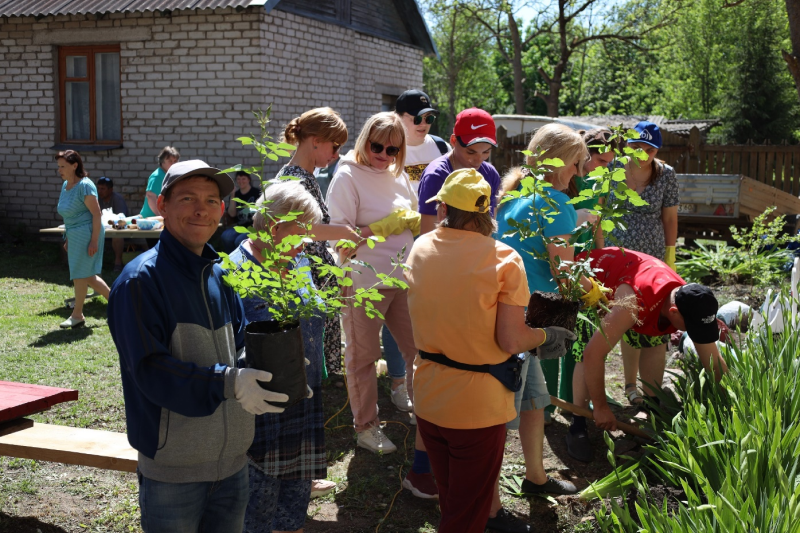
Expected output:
(418, 115)
(665, 304)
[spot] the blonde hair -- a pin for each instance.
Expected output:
(558, 142)
(387, 129)
(282, 197)
(323, 123)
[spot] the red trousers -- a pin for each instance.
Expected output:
(465, 463)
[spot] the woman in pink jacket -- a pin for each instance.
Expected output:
(369, 184)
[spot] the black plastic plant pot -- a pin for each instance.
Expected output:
(550, 309)
(278, 351)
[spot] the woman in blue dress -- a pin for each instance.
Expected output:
(288, 450)
(84, 233)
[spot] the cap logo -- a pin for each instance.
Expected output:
(646, 135)
(474, 127)
(423, 100)
(708, 319)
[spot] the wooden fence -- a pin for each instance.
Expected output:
(774, 165)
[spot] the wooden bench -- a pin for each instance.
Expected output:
(23, 438)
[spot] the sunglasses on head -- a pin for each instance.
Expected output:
(377, 148)
(429, 119)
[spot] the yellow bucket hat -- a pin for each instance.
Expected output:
(465, 189)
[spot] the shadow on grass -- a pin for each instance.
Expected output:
(17, 524)
(62, 336)
(92, 307)
(370, 481)
(42, 261)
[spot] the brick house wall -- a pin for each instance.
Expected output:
(188, 79)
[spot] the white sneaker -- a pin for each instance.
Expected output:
(400, 398)
(374, 440)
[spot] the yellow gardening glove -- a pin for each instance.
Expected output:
(393, 224)
(596, 294)
(669, 257)
(412, 220)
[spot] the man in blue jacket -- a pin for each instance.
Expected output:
(178, 330)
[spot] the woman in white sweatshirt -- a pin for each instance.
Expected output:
(368, 185)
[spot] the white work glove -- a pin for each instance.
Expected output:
(250, 394)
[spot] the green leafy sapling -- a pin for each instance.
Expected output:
(276, 280)
(608, 188)
(762, 234)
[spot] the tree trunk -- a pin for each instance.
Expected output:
(516, 63)
(793, 59)
(452, 72)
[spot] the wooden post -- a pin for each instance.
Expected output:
(501, 154)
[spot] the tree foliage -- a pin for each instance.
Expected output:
(680, 59)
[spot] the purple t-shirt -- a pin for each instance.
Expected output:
(437, 171)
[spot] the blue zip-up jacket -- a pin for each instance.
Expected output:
(178, 328)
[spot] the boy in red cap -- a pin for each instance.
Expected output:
(666, 304)
(474, 136)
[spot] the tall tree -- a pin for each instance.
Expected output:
(758, 102)
(793, 58)
(570, 24)
(464, 77)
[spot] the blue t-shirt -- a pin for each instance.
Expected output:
(437, 171)
(538, 270)
(154, 183)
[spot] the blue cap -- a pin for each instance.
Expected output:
(649, 133)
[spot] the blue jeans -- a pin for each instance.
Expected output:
(206, 506)
(231, 240)
(395, 365)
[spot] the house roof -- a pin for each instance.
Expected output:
(680, 127)
(27, 8)
(412, 15)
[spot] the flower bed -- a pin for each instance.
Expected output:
(732, 451)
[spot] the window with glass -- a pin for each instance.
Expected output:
(91, 110)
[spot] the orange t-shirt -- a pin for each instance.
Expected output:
(456, 279)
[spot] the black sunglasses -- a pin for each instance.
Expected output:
(377, 148)
(336, 147)
(430, 119)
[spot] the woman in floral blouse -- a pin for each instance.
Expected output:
(652, 229)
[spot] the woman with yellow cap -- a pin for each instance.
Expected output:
(467, 298)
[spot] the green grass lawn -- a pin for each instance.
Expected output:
(34, 282)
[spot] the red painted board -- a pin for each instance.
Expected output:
(21, 399)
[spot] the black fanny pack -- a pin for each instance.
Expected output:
(509, 373)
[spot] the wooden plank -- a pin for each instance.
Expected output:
(712, 162)
(787, 172)
(75, 446)
(796, 174)
(736, 163)
(755, 197)
(22, 399)
(15, 425)
(752, 167)
(779, 157)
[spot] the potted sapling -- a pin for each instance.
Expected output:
(281, 281)
(542, 224)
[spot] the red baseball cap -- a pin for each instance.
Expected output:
(475, 126)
